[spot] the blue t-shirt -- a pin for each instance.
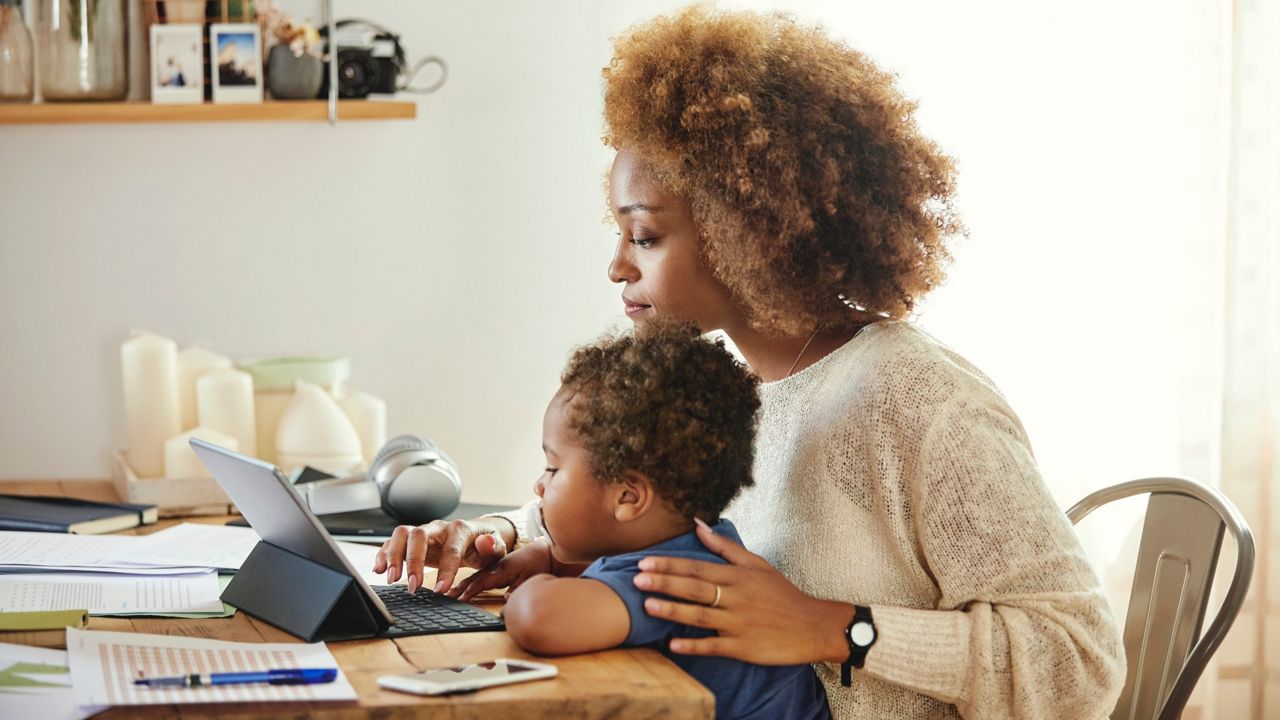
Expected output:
(742, 690)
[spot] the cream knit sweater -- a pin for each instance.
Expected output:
(893, 474)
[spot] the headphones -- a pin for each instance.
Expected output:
(410, 479)
(416, 481)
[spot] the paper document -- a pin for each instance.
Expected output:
(226, 611)
(215, 546)
(105, 664)
(226, 547)
(94, 569)
(105, 594)
(40, 549)
(35, 683)
(179, 550)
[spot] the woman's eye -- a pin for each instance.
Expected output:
(643, 242)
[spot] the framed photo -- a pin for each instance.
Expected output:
(177, 72)
(235, 59)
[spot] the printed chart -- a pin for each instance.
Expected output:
(105, 664)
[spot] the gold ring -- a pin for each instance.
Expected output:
(716, 602)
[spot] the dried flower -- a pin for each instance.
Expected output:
(300, 38)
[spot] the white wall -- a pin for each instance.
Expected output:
(458, 257)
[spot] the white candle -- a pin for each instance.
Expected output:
(369, 416)
(150, 399)
(224, 402)
(180, 460)
(192, 363)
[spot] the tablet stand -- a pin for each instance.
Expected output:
(300, 596)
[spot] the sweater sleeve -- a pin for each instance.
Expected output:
(1021, 628)
(517, 519)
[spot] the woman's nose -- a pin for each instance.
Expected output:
(621, 269)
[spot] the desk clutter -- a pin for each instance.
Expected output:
(50, 583)
(291, 411)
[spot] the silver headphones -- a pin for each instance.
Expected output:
(416, 481)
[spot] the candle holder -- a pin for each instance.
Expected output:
(173, 497)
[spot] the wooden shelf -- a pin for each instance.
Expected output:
(144, 112)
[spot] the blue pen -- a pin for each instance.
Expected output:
(298, 676)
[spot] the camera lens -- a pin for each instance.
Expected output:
(357, 73)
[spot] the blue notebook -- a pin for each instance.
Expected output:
(68, 515)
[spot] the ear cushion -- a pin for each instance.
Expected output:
(398, 444)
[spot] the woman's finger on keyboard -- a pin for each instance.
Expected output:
(392, 554)
(415, 557)
(460, 534)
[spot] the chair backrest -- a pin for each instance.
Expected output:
(1177, 557)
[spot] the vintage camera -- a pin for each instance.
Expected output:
(370, 59)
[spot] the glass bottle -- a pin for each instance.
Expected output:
(17, 83)
(83, 50)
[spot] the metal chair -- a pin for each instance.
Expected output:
(1177, 557)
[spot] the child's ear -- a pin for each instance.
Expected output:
(633, 496)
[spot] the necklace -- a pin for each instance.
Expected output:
(797, 360)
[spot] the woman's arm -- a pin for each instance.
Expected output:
(1021, 628)
(561, 616)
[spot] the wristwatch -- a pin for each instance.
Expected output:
(861, 635)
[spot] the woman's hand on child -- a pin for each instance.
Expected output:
(759, 615)
(509, 572)
(444, 545)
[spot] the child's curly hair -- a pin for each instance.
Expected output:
(811, 183)
(671, 405)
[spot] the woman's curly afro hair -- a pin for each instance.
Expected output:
(812, 186)
(671, 405)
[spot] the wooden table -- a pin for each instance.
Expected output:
(618, 684)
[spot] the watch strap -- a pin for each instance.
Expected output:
(857, 653)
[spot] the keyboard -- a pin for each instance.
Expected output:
(429, 613)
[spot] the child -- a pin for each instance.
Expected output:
(647, 433)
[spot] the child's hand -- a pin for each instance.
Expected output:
(510, 571)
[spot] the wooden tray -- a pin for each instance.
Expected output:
(174, 497)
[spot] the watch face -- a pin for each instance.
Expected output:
(862, 634)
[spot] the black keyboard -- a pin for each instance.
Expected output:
(428, 613)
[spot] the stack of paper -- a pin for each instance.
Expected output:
(168, 572)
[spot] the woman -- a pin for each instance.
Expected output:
(771, 183)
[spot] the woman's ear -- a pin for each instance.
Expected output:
(633, 496)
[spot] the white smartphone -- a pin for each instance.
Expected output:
(468, 677)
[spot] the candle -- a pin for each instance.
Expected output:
(314, 431)
(180, 460)
(369, 416)
(224, 402)
(192, 363)
(150, 399)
